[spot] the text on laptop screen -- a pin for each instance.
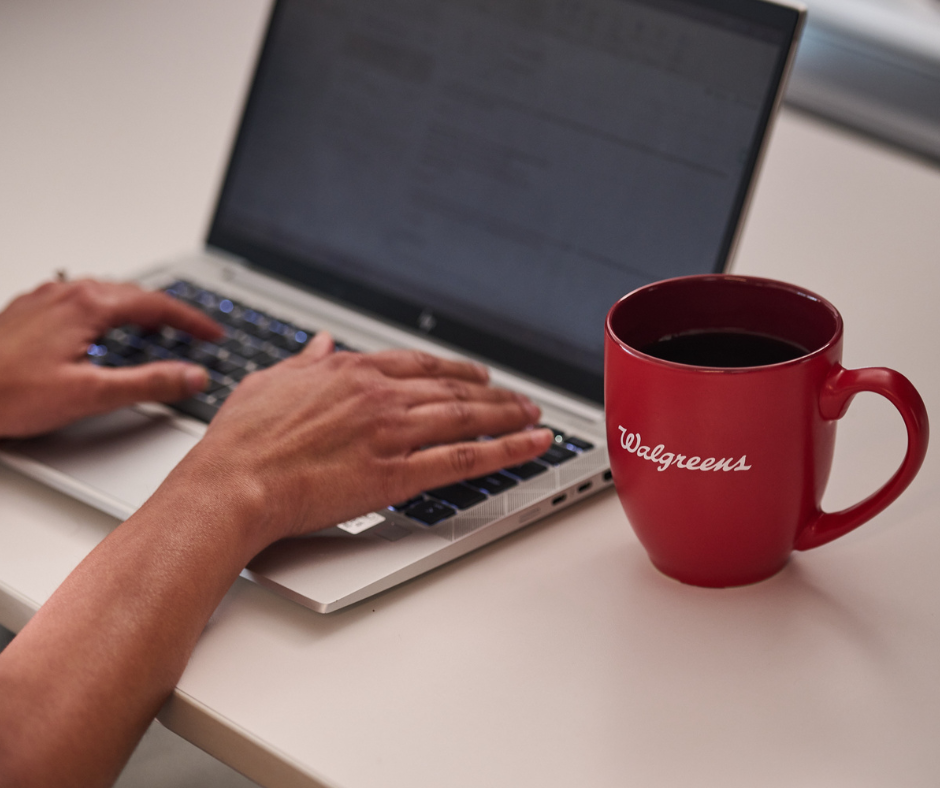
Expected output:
(498, 172)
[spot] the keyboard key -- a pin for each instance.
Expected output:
(459, 495)
(214, 385)
(242, 346)
(254, 324)
(226, 366)
(526, 471)
(207, 300)
(125, 338)
(156, 353)
(567, 440)
(135, 331)
(578, 443)
(254, 340)
(430, 512)
(493, 484)
(179, 289)
(238, 375)
(204, 353)
(556, 455)
(222, 394)
(265, 359)
(227, 318)
(559, 435)
(287, 343)
(199, 407)
(233, 344)
(117, 360)
(400, 507)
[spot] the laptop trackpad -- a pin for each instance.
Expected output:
(120, 458)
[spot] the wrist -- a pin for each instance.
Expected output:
(220, 500)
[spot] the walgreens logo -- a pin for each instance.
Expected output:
(667, 459)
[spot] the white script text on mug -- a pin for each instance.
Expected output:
(658, 454)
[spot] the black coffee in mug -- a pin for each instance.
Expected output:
(724, 348)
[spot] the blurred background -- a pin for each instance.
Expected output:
(873, 65)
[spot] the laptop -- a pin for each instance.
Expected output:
(480, 179)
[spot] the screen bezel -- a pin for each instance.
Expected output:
(428, 321)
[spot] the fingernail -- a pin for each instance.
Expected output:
(196, 379)
(483, 372)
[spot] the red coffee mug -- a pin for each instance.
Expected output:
(721, 469)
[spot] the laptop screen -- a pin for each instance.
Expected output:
(497, 173)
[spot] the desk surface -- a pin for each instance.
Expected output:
(557, 656)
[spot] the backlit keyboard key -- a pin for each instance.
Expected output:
(526, 471)
(578, 443)
(493, 484)
(430, 512)
(557, 455)
(459, 495)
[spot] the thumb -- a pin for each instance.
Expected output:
(319, 347)
(159, 381)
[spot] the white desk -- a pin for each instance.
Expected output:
(558, 656)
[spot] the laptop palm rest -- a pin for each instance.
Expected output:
(113, 462)
(116, 462)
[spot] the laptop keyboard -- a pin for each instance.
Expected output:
(255, 340)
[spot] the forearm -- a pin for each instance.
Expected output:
(82, 681)
(310, 442)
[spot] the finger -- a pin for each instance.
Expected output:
(160, 381)
(447, 422)
(421, 391)
(126, 303)
(415, 364)
(442, 465)
(318, 348)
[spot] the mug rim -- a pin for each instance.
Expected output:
(757, 281)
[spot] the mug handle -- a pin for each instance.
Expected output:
(840, 387)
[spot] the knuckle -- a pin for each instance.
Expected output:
(374, 395)
(97, 389)
(167, 382)
(352, 362)
(459, 412)
(387, 422)
(457, 389)
(84, 293)
(374, 403)
(464, 459)
(512, 447)
(429, 364)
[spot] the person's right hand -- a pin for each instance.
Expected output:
(323, 437)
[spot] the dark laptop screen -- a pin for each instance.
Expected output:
(498, 172)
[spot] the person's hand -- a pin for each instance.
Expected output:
(45, 379)
(324, 437)
(313, 441)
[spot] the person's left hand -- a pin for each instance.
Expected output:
(46, 380)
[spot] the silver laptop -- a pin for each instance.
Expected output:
(476, 178)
